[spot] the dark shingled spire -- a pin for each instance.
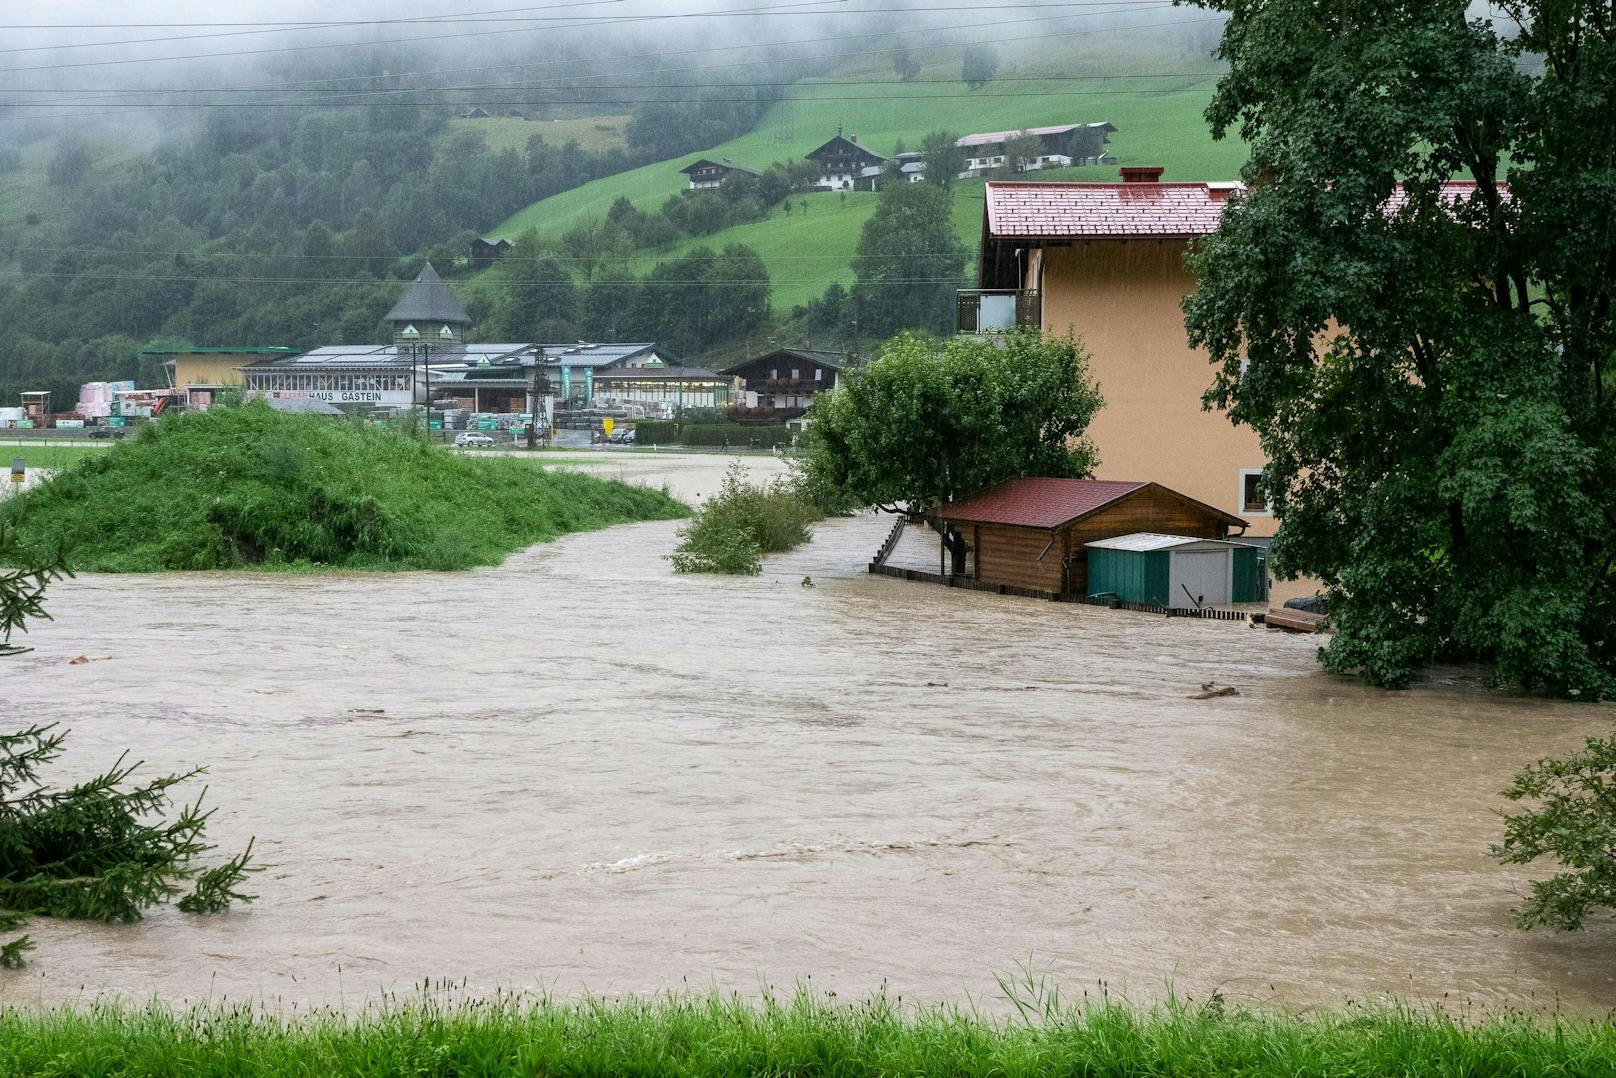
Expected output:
(429, 299)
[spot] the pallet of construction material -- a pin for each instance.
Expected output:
(1297, 621)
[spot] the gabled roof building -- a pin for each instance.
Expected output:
(844, 161)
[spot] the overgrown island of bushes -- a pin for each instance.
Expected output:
(248, 487)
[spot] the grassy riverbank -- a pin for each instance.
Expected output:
(251, 487)
(806, 1036)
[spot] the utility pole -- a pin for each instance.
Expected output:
(534, 399)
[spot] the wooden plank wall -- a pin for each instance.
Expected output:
(1010, 555)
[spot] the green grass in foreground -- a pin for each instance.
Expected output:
(808, 1035)
(48, 456)
(251, 487)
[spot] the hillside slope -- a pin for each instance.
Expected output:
(1159, 120)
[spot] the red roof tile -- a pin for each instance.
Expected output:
(1037, 502)
(1105, 210)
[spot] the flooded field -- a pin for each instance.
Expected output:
(590, 773)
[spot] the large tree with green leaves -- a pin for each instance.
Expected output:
(1429, 367)
(930, 421)
(910, 261)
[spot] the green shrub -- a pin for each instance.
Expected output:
(242, 487)
(1574, 823)
(656, 432)
(735, 435)
(742, 522)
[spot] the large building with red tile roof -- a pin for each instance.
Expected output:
(1106, 261)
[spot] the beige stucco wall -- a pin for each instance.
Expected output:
(1122, 300)
(210, 369)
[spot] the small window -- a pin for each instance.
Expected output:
(795, 371)
(819, 374)
(775, 373)
(1252, 499)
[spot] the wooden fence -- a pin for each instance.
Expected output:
(877, 568)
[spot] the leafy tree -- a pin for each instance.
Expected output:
(978, 65)
(910, 261)
(540, 301)
(1021, 150)
(945, 158)
(1430, 370)
(100, 849)
(70, 164)
(904, 62)
(1574, 823)
(927, 422)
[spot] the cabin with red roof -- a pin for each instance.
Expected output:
(1028, 535)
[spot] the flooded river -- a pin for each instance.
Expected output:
(589, 773)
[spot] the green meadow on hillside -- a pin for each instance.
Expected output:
(592, 133)
(26, 190)
(1159, 121)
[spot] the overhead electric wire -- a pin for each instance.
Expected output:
(593, 23)
(738, 282)
(739, 12)
(808, 82)
(284, 28)
(1019, 94)
(306, 84)
(484, 16)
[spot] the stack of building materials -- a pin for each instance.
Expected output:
(95, 400)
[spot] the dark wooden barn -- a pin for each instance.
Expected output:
(1029, 534)
(484, 253)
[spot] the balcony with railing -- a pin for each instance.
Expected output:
(997, 310)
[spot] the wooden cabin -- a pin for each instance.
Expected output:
(709, 175)
(1030, 534)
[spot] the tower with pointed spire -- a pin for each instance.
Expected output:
(428, 313)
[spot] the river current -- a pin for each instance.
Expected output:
(578, 771)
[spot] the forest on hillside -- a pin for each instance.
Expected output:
(260, 193)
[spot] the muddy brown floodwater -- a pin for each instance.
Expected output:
(593, 774)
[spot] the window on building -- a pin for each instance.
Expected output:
(1252, 499)
(795, 372)
(775, 374)
(819, 374)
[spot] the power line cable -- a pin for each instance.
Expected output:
(593, 21)
(479, 16)
(641, 59)
(974, 96)
(739, 12)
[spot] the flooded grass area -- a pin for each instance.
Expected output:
(579, 771)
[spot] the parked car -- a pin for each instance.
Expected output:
(472, 439)
(622, 437)
(107, 432)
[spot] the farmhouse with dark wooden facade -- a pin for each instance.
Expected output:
(844, 162)
(708, 175)
(783, 383)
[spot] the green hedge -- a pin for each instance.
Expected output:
(656, 432)
(735, 435)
